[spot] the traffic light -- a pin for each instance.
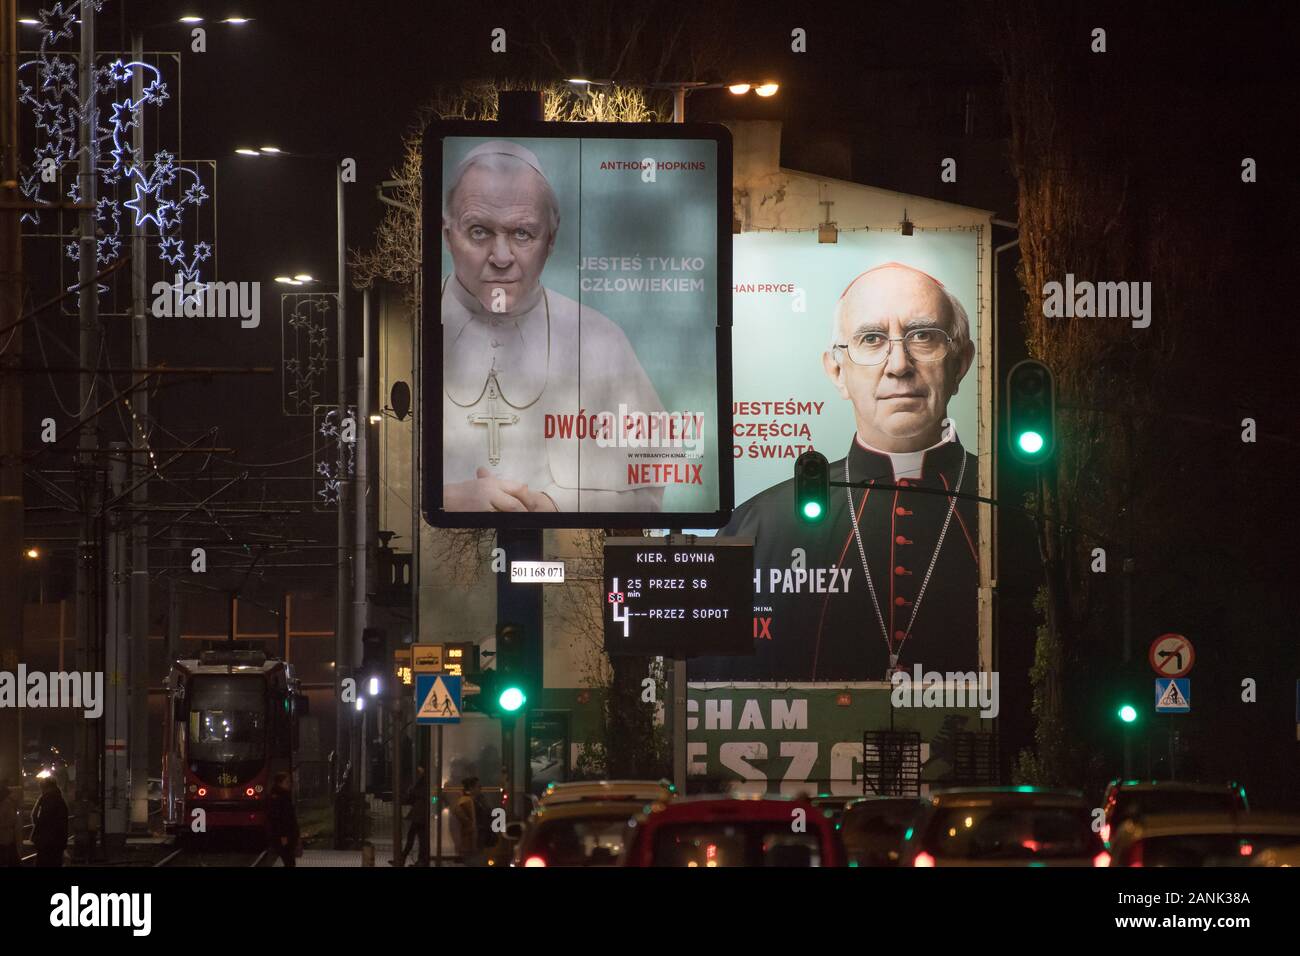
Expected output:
(375, 669)
(811, 488)
(516, 683)
(1031, 412)
(1127, 713)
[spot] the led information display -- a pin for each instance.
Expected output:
(679, 600)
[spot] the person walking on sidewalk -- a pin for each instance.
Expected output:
(50, 825)
(418, 798)
(10, 832)
(282, 819)
(464, 829)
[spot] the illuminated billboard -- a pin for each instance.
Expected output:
(576, 324)
(866, 350)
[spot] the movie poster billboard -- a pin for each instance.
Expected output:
(576, 340)
(865, 350)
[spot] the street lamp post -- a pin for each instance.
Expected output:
(343, 638)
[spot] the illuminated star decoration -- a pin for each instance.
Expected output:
(157, 191)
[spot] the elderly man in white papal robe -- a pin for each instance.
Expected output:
(512, 353)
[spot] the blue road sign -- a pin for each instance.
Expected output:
(437, 699)
(1173, 695)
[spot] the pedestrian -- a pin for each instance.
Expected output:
(9, 829)
(464, 820)
(50, 824)
(282, 819)
(418, 798)
(487, 838)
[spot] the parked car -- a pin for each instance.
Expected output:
(578, 833)
(1207, 839)
(638, 791)
(872, 828)
(718, 831)
(1004, 826)
(1133, 799)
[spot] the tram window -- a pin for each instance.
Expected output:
(227, 719)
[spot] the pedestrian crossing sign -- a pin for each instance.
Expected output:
(437, 699)
(1173, 695)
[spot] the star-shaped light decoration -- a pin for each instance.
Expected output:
(118, 71)
(56, 23)
(156, 93)
(195, 194)
(171, 249)
(109, 248)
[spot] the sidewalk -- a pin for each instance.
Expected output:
(380, 830)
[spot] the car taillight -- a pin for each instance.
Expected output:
(534, 861)
(1101, 859)
(203, 791)
(923, 859)
(1105, 833)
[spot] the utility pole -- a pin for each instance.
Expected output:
(138, 737)
(88, 552)
(117, 713)
(11, 395)
(345, 770)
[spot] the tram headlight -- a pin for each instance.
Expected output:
(258, 788)
(203, 791)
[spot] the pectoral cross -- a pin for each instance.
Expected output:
(494, 419)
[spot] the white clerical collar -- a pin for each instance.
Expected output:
(515, 345)
(906, 464)
(478, 310)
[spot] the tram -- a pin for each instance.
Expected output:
(230, 725)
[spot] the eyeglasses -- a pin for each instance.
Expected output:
(921, 345)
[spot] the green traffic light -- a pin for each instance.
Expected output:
(511, 699)
(1128, 714)
(1030, 442)
(812, 510)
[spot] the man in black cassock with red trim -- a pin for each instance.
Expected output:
(891, 581)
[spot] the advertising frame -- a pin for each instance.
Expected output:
(430, 372)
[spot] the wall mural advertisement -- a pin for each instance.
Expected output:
(864, 350)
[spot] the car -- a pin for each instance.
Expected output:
(832, 807)
(1133, 799)
(720, 831)
(578, 833)
(638, 791)
(1003, 826)
(1207, 839)
(872, 828)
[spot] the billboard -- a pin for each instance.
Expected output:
(576, 324)
(866, 350)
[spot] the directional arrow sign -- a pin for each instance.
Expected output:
(1171, 655)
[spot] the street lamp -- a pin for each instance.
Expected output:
(343, 648)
